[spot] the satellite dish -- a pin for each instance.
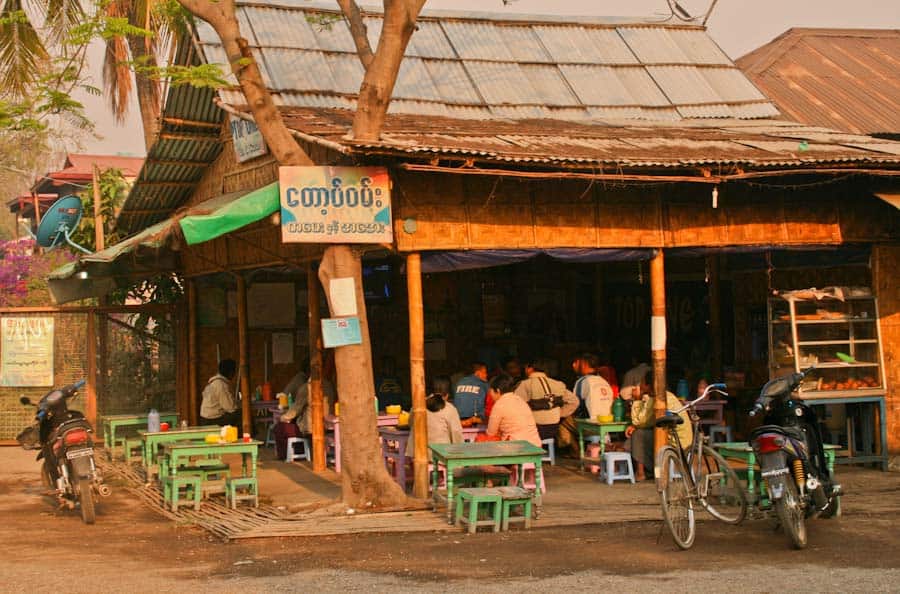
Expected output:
(59, 222)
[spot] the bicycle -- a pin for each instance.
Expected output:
(711, 482)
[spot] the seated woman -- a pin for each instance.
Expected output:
(443, 421)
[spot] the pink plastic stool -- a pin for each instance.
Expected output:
(529, 477)
(592, 450)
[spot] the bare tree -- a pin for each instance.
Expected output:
(366, 482)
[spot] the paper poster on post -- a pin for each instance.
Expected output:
(343, 296)
(26, 352)
(340, 332)
(335, 205)
(247, 139)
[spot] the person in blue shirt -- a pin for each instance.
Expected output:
(470, 392)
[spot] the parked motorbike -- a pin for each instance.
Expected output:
(791, 457)
(63, 437)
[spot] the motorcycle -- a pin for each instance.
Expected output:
(63, 437)
(789, 449)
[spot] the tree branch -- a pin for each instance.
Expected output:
(358, 31)
(381, 75)
(221, 15)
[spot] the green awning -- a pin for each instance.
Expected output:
(229, 215)
(149, 251)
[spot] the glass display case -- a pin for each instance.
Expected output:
(838, 332)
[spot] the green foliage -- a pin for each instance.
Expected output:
(113, 190)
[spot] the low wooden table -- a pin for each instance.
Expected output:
(153, 439)
(179, 452)
(587, 426)
(112, 423)
(756, 490)
(487, 453)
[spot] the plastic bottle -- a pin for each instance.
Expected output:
(618, 410)
(153, 421)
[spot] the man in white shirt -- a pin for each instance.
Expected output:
(631, 381)
(219, 405)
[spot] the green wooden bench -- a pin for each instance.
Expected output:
(172, 490)
(489, 497)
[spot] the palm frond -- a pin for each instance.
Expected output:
(61, 16)
(22, 54)
(117, 80)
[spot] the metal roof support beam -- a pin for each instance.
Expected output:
(192, 123)
(194, 137)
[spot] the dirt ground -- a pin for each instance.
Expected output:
(131, 548)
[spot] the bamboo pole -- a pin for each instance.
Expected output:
(316, 397)
(193, 396)
(417, 374)
(90, 404)
(715, 317)
(243, 358)
(99, 235)
(658, 342)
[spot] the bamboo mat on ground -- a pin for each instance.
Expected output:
(266, 520)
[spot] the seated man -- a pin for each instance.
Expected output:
(548, 399)
(219, 405)
(470, 393)
(641, 429)
(511, 418)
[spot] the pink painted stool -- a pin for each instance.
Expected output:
(592, 450)
(529, 482)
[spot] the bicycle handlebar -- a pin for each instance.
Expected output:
(717, 388)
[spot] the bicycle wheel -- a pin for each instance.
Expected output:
(675, 495)
(719, 489)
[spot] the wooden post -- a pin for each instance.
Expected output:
(193, 395)
(715, 317)
(417, 374)
(316, 397)
(658, 341)
(243, 356)
(99, 239)
(90, 403)
(36, 201)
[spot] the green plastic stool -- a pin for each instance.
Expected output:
(475, 498)
(234, 485)
(514, 497)
(172, 485)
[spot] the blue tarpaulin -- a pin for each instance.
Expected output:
(471, 259)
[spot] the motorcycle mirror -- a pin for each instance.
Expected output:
(25, 400)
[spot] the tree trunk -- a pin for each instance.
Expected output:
(381, 73)
(365, 480)
(222, 17)
(147, 89)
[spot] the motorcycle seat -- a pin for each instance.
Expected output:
(669, 421)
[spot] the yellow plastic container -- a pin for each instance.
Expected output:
(403, 419)
(230, 434)
(604, 418)
(211, 438)
(393, 409)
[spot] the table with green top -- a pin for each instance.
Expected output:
(178, 453)
(112, 423)
(153, 439)
(591, 427)
(756, 490)
(487, 453)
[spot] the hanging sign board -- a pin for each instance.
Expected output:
(26, 351)
(247, 139)
(335, 205)
(340, 332)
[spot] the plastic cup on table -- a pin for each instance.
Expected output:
(246, 438)
(163, 426)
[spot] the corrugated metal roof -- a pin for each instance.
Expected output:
(188, 140)
(623, 144)
(845, 79)
(507, 64)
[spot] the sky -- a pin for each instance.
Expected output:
(738, 26)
